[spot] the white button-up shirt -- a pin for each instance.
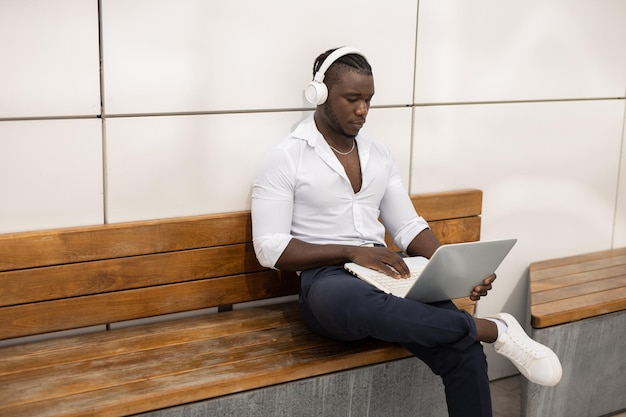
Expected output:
(302, 191)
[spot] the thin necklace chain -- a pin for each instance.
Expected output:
(344, 153)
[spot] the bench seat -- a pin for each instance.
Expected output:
(191, 359)
(121, 290)
(577, 287)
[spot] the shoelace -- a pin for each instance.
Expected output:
(526, 354)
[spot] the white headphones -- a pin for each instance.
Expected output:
(316, 91)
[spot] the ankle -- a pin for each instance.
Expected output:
(486, 330)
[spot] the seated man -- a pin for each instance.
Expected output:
(316, 204)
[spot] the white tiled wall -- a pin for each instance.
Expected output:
(49, 59)
(534, 161)
(183, 165)
(50, 174)
(192, 55)
(523, 99)
(490, 50)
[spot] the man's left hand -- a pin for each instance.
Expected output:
(483, 289)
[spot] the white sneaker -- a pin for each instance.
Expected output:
(535, 361)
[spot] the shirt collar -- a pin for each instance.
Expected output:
(307, 131)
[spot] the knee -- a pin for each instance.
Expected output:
(344, 311)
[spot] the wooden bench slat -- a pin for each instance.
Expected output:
(536, 267)
(572, 291)
(95, 277)
(578, 267)
(81, 244)
(577, 308)
(450, 231)
(457, 230)
(579, 278)
(448, 205)
(138, 338)
(29, 319)
(466, 304)
(160, 361)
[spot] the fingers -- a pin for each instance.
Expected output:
(483, 289)
(475, 295)
(385, 261)
(396, 268)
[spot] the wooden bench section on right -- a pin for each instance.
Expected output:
(578, 308)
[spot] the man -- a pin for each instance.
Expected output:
(316, 204)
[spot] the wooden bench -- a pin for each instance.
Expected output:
(578, 307)
(233, 359)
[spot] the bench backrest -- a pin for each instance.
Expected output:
(72, 278)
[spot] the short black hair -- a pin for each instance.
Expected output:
(349, 62)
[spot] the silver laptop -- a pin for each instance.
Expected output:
(452, 272)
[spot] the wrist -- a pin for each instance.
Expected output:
(349, 253)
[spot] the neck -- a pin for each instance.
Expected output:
(335, 139)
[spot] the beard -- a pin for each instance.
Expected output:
(334, 122)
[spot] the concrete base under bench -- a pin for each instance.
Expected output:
(371, 391)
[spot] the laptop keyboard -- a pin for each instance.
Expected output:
(394, 286)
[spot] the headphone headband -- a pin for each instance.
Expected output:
(330, 59)
(316, 91)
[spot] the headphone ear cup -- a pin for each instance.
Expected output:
(316, 93)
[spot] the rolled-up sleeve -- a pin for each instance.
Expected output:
(398, 213)
(272, 208)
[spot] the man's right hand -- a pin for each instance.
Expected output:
(381, 259)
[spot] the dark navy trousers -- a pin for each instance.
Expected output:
(337, 305)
